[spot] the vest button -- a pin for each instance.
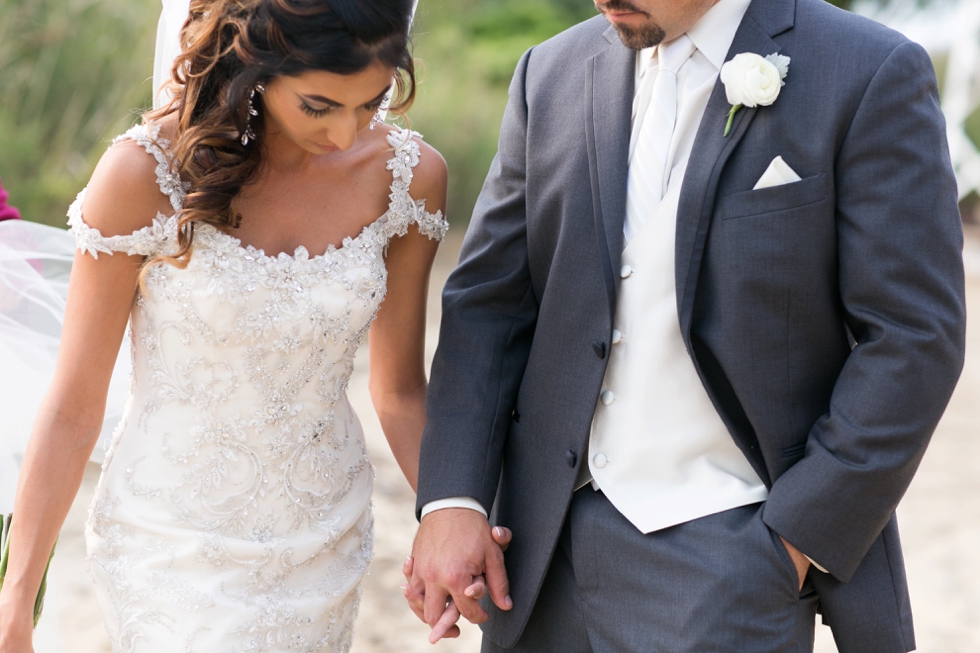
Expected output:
(600, 460)
(571, 457)
(626, 271)
(617, 336)
(607, 397)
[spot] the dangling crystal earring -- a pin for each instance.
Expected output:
(376, 120)
(379, 117)
(249, 134)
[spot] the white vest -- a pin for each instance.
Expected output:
(658, 449)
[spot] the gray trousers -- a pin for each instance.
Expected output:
(720, 584)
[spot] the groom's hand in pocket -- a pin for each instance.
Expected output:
(456, 559)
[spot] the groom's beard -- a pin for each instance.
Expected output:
(646, 35)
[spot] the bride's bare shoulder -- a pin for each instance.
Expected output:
(123, 195)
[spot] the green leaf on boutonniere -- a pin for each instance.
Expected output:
(731, 118)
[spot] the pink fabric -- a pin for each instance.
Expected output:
(7, 212)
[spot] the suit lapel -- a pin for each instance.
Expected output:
(608, 107)
(764, 19)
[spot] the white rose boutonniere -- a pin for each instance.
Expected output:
(751, 80)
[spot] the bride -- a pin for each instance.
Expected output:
(249, 232)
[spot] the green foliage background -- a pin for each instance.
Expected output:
(74, 73)
(71, 74)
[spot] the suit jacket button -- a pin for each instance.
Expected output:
(572, 458)
(599, 348)
(516, 416)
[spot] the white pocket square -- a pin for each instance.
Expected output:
(777, 174)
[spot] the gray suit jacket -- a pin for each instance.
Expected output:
(825, 318)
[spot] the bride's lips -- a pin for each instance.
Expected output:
(327, 148)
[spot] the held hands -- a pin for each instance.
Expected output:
(457, 558)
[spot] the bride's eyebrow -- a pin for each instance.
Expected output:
(319, 99)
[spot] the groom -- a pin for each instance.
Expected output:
(694, 366)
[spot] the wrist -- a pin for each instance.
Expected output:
(16, 600)
(16, 617)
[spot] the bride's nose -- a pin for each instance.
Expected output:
(343, 132)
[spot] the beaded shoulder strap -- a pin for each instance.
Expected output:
(148, 136)
(159, 237)
(403, 209)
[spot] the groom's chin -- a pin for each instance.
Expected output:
(637, 35)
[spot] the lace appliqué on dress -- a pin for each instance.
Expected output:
(155, 239)
(404, 210)
(158, 238)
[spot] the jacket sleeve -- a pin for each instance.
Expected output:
(902, 289)
(489, 313)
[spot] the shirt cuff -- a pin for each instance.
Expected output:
(453, 502)
(815, 565)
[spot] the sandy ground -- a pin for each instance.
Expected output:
(940, 519)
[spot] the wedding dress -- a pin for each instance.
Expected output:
(233, 513)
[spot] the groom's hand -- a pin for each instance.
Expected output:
(454, 551)
(800, 561)
(446, 627)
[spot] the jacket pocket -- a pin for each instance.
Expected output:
(778, 199)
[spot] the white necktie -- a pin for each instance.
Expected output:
(649, 168)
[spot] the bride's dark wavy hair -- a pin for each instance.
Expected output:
(230, 46)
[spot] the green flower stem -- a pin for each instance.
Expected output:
(4, 545)
(39, 601)
(731, 118)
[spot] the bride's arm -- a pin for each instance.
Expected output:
(397, 338)
(121, 198)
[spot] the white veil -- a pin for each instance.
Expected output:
(35, 261)
(172, 19)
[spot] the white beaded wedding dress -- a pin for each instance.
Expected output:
(233, 513)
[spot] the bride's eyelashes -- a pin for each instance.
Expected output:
(313, 113)
(319, 113)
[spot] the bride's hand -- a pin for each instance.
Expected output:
(446, 626)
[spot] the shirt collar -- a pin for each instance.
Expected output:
(714, 33)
